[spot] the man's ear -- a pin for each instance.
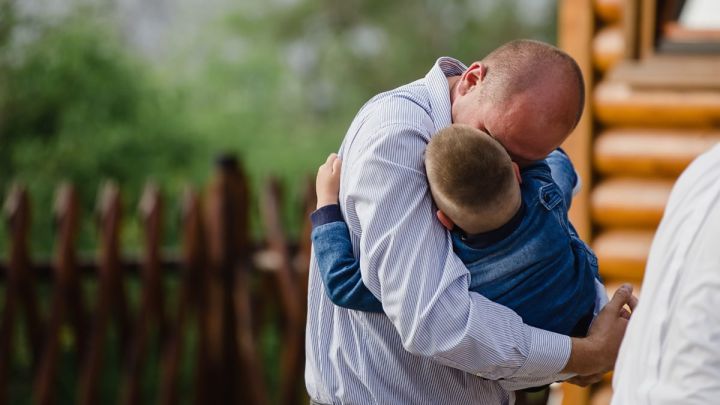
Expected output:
(447, 222)
(471, 77)
(516, 169)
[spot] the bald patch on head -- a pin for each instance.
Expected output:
(524, 66)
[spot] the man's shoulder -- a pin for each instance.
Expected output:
(405, 105)
(402, 115)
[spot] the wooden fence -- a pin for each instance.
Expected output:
(226, 288)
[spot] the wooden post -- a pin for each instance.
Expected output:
(290, 289)
(151, 317)
(67, 305)
(19, 289)
(227, 221)
(302, 261)
(110, 297)
(575, 35)
(192, 297)
(18, 211)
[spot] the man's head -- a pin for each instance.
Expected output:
(472, 179)
(526, 94)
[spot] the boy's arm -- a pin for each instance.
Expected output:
(339, 270)
(564, 175)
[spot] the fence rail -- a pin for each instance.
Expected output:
(226, 287)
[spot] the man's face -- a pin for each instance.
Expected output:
(528, 125)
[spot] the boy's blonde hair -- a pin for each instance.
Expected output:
(472, 178)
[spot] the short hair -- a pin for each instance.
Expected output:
(470, 174)
(520, 64)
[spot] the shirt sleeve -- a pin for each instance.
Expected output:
(406, 261)
(339, 270)
(563, 173)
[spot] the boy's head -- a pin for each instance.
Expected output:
(472, 179)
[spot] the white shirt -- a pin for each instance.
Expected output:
(671, 350)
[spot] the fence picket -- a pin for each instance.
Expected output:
(191, 297)
(66, 301)
(290, 290)
(150, 317)
(302, 260)
(222, 219)
(110, 295)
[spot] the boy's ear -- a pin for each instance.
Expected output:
(471, 77)
(447, 222)
(516, 169)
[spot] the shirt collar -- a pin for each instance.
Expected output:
(437, 85)
(485, 239)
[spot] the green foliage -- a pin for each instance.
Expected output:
(78, 107)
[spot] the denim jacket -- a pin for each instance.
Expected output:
(535, 264)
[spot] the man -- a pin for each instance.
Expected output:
(671, 353)
(437, 342)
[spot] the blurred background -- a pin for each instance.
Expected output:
(157, 157)
(126, 89)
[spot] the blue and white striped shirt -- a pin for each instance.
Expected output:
(436, 341)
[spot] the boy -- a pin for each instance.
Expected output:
(509, 227)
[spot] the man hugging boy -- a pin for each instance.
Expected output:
(508, 225)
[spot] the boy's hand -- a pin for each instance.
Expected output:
(327, 183)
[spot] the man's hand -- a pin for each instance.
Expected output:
(327, 183)
(595, 354)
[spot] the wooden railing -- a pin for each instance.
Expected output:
(228, 291)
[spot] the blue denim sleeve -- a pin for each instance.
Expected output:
(339, 270)
(563, 173)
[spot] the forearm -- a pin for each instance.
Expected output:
(339, 269)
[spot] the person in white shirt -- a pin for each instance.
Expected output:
(671, 350)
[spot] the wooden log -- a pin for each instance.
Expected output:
(622, 254)
(629, 202)
(650, 152)
(574, 395)
(608, 47)
(66, 302)
(576, 24)
(676, 72)
(609, 11)
(618, 104)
